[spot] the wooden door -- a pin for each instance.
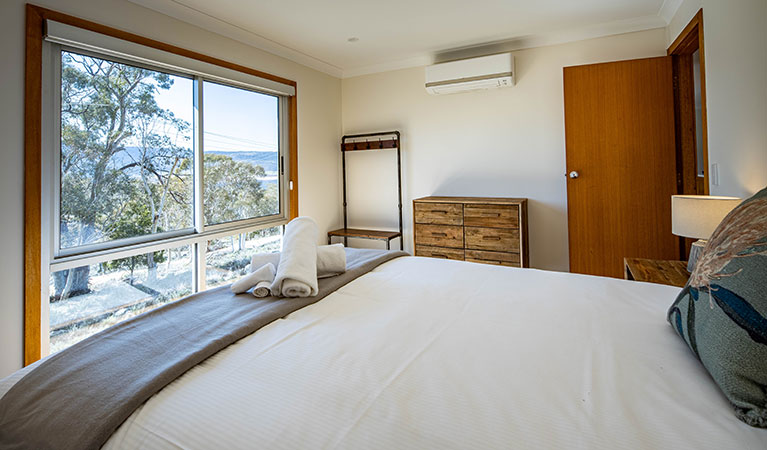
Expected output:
(621, 163)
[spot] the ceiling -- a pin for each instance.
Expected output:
(402, 33)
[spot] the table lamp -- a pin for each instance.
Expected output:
(697, 216)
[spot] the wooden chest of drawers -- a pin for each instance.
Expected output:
(480, 229)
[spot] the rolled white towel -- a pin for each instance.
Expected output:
(264, 273)
(297, 272)
(295, 288)
(263, 289)
(331, 260)
(259, 259)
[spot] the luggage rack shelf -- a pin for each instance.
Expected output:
(362, 142)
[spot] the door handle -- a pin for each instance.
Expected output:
(574, 174)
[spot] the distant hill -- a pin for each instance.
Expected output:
(268, 160)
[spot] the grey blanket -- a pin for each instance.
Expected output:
(78, 397)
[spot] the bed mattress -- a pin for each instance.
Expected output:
(427, 353)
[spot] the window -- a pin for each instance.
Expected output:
(115, 290)
(126, 159)
(241, 159)
(159, 179)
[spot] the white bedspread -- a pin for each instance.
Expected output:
(433, 354)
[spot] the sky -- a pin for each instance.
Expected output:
(234, 119)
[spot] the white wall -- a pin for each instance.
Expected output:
(736, 89)
(686, 11)
(507, 142)
(319, 120)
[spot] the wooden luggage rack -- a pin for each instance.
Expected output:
(362, 142)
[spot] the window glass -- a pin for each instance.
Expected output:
(228, 259)
(700, 167)
(88, 299)
(126, 151)
(241, 158)
(125, 163)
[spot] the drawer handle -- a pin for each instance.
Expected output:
(490, 214)
(491, 238)
(435, 234)
(439, 211)
(439, 255)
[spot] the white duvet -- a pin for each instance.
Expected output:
(433, 354)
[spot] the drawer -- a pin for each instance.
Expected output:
(500, 258)
(439, 213)
(499, 239)
(497, 216)
(439, 235)
(439, 252)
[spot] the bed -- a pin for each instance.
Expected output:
(428, 353)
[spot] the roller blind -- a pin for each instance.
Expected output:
(70, 36)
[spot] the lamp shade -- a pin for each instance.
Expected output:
(697, 216)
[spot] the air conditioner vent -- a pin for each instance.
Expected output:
(487, 72)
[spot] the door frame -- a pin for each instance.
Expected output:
(689, 40)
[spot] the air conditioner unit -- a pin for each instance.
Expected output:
(486, 72)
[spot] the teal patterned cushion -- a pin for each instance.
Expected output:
(722, 311)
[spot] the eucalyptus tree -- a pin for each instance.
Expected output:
(105, 107)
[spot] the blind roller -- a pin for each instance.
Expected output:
(70, 36)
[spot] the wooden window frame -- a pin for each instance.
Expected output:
(689, 40)
(35, 19)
